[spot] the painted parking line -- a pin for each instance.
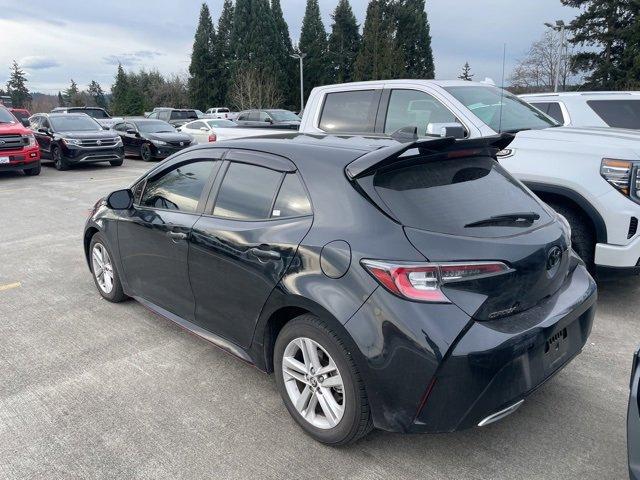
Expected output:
(9, 286)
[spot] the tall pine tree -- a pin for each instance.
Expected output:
(466, 72)
(17, 87)
(414, 39)
(61, 102)
(287, 66)
(602, 26)
(225, 52)
(203, 68)
(119, 91)
(97, 94)
(313, 42)
(379, 57)
(72, 95)
(344, 43)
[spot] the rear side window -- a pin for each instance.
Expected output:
(350, 112)
(447, 195)
(292, 199)
(247, 192)
(179, 188)
(555, 112)
(618, 113)
(412, 108)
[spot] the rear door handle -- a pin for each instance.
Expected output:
(177, 235)
(265, 254)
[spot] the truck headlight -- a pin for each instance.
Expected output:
(621, 174)
(29, 140)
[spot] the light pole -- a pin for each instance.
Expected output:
(300, 56)
(558, 27)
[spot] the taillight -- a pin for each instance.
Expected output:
(423, 282)
(212, 137)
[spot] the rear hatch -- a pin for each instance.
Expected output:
(457, 204)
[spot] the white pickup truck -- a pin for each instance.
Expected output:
(590, 175)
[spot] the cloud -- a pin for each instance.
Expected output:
(38, 63)
(130, 59)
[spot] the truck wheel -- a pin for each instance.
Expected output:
(58, 160)
(30, 172)
(583, 237)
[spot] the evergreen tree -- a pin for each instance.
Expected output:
(466, 72)
(344, 43)
(287, 65)
(61, 102)
(72, 95)
(97, 94)
(225, 52)
(119, 91)
(203, 69)
(631, 54)
(17, 87)
(379, 57)
(604, 27)
(414, 39)
(313, 42)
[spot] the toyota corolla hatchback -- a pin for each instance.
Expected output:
(411, 287)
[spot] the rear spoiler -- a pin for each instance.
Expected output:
(369, 162)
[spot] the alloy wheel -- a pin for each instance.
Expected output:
(145, 152)
(313, 383)
(102, 267)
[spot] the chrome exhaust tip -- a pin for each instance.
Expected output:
(501, 414)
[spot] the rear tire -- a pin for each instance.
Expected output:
(103, 270)
(583, 238)
(348, 394)
(31, 172)
(58, 160)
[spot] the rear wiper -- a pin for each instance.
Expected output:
(526, 218)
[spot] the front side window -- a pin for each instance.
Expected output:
(501, 110)
(178, 189)
(247, 192)
(197, 125)
(284, 116)
(292, 200)
(412, 108)
(350, 112)
(618, 113)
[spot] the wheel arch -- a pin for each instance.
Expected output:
(550, 193)
(88, 235)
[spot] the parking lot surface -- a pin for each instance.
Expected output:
(90, 389)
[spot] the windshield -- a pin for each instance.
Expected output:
(155, 127)
(501, 110)
(74, 123)
(284, 116)
(5, 116)
(183, 115)
(92, 112)
(221, 123)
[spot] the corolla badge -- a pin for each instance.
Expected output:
(553, 258)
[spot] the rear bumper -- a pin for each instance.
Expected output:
(166, 151)
(443, 371)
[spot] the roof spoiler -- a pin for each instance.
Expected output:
(385, 156)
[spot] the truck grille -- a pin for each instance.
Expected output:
(98, 142)
(11, 142)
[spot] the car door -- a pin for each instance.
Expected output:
(258, 214)
(44, 135)
(195, 129)
(153, 236)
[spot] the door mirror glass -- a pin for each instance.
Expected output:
(453, 129)
(44, 130)
(120, 199)
(26, 122)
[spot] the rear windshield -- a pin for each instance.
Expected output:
(183, 115)
(618, 113)
(449, 195)
(20, 115)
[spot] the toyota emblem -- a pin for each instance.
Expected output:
(554, 258)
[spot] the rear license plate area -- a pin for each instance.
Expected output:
(556, 348)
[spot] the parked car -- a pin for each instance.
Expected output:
(151, 139)
(72, 138)
(18, 147)
(219, 112)
(216, 130)
(100, 115)
(175, 116)
(368, 320)
(22, 114)
(589, 175)
(633, 420)
(590, 109)
(268, 119)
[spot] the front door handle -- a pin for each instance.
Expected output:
(175, 236)
(265, 254)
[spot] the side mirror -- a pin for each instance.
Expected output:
(204, 129)
(26, 122)
(131, 131)
(46, 131)
(105, 127)
(120, 199)
(268, 120)
(453, 129)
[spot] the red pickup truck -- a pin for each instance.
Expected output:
(18, 147)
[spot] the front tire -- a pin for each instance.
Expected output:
(145, 152)
(320, 383)
(58, 160)
(104, 272)
(116, 163)
(583, 238)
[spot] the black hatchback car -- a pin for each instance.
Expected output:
(72, 138)
(151, 139)
(412, 287)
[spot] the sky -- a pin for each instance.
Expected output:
(85, 39)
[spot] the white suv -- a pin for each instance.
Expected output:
(590, 175)
(590, 109)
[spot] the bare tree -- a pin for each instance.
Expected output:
(536, 72)
(253, 89)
